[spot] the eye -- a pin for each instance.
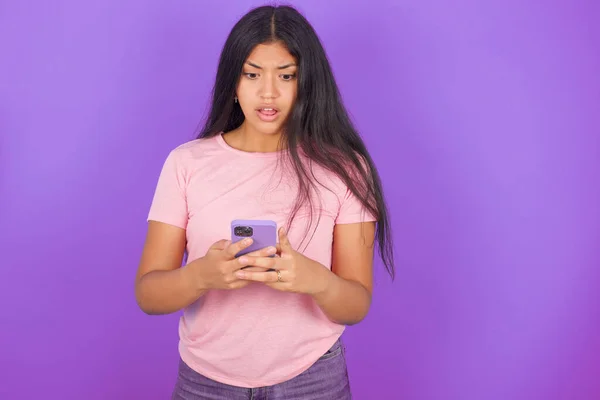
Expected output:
(288, 77)
(251, 75)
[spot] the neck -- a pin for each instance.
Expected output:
(246, 138)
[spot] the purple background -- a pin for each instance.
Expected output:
(481, 116)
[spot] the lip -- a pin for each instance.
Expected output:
(267, 118)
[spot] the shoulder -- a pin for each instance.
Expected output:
(190, 152)
(344, 166)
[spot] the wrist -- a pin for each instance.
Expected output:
(192, 275)
(324, 282)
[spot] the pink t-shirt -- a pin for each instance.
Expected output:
(254, 336)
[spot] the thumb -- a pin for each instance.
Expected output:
(221, 244)
(284, 242)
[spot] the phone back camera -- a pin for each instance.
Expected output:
(244, 231)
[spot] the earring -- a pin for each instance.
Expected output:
(235, 99)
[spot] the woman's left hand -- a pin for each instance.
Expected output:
(293, 271)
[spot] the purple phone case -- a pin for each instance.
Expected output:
(264, 234)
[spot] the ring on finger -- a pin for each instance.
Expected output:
(279, 276)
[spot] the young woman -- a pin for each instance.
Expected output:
(277, 145)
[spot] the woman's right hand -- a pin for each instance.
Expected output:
(216, 270)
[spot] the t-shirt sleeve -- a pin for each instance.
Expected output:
(352, 211)
(169, 204)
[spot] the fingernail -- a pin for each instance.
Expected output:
(271, 250)
(240, 274)
(247, 241)
(243, 260)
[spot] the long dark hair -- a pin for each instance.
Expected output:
(318, 124)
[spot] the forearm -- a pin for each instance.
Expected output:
(165, 292)
(343, 301)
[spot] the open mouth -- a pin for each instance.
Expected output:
(267, 114)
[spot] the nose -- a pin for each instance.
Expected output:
(268, 88)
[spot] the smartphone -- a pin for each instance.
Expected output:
(262, 232)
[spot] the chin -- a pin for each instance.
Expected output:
(267, 128)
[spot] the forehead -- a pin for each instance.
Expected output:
(270, 55)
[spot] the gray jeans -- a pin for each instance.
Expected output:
(327, 379)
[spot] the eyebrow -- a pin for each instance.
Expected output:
(281, 67)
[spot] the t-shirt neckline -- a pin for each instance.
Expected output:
(256, 154)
